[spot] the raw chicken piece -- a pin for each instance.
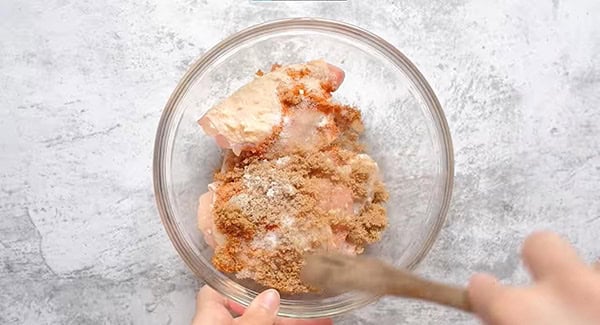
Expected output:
(306, 129)
(248, 116)
(334, 198)
(340, 244)
(206, 222)
(371, 169)
(205, 218)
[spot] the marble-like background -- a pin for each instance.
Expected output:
(83, 83)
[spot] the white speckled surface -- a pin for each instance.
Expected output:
(83, 85)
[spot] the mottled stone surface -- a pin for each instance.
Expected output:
(82, 86)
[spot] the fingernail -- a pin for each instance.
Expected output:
(270, 300)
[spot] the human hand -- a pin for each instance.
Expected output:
(214, 309)
(565, 289)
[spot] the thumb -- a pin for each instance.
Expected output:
(483, 290)
(262, 310)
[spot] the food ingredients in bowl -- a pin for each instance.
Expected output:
(295, 177)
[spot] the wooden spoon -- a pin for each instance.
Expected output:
(335, 273)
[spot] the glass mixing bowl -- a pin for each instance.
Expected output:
(406, 133)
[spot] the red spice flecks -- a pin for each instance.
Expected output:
(275, 66)
(298, 74)
(263, 147)
(271, 227)
(327, 86)
(291, 97)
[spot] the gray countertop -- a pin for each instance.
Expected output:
(83, 84)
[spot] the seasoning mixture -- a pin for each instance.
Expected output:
(295, 177)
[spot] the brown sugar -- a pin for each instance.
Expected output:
(276, 202)
(258, 195)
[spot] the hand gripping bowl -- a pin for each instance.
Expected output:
(405, 131)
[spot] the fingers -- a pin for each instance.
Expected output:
(262, 310)
(207, 296)
(236, 308)
(211, 308)
(546, 254)
(288, 321)
(483, 290)
(239, 310)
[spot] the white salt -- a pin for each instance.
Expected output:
(271, 192)
(287, 221)
(323, 121)
(268, 242)
(282, 161)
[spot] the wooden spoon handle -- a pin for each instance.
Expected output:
(435, 292)
(405, 284)
(340, 273)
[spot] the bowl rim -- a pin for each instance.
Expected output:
(160, 171)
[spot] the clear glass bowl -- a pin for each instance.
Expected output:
(406, 133)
